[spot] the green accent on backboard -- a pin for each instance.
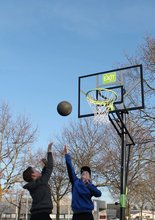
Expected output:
(122, 200)
(109, 77)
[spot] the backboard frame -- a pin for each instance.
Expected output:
(113, 86)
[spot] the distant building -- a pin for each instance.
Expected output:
(7, 211)
(113, 211)
(100, 207)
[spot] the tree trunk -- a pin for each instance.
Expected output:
(128, 211)
(141, 212)
(19, 209)
(58, 210)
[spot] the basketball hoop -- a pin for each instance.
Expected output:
(101, 101)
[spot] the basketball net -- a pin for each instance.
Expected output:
(101, 101)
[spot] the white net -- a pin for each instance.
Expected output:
(100, 114)
(101, 102)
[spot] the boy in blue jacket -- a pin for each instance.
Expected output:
(82, 190)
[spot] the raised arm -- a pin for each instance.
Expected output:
(48, 164)
(70, 168)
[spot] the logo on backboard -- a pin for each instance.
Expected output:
(109, 77)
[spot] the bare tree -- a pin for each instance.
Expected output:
(87, 143)
(16, 134)
(150, 180)
(146, 55)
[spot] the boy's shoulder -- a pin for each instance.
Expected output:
(33, 184)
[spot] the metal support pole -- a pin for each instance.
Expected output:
(118, 121)
(123, 174)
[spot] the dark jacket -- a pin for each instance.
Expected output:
(40, 190)
(81, 194)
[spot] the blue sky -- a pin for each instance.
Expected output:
(46, 45)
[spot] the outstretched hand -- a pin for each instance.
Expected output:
(50, 147)
(66, 149)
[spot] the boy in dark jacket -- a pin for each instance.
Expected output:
(39, 189)
(82, 191)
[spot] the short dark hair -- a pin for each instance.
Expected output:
(27, 174)
(86, 168)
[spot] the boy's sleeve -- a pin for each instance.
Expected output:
(70, 169)
(95, 192)
(47, 170)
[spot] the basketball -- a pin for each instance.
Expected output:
(64, 108)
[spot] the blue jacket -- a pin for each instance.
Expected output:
(81, 194)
